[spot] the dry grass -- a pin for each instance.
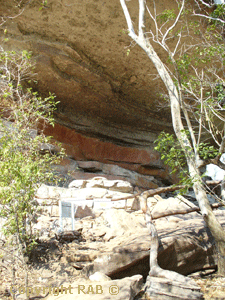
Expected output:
(213, 287)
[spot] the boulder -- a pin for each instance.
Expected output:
(78, 184)
(112, 185)
(46, 194)
(134, 178)
(123, 179)
(168, 206)
(90, 193)
(101, 182)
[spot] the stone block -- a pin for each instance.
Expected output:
(66, 193)
(102, 204)
(90, 166)
(54, 211)
(117, 195)
(92, 193)
(133, 204)
(119, 204)
(151, 202)
(122, 186)
(83, 212)
(114, 185)
(43, 192)
(55, 192)
(98, 276)
(78, 184)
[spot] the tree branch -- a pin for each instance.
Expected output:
(184, 211)
(128, 19)
(210, 18)
(174, 24)
(141, 17)
(152, 192)
(206, 4)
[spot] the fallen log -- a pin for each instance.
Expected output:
(185, 211)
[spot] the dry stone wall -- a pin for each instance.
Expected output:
(89, 197)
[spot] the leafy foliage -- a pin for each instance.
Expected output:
(174, 156)
(167, 15)
(219, 12)
(23, 166)
(44, 4)
(207, 151)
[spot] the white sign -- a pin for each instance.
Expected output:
(67, 209)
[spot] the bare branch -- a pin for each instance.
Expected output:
(201, 114)
(210, 18)
(222, 146)
(177, 44)
(5, 18)
(152, 192)
(206, 4)
(154, 20)
(174, 24)
(183, 211)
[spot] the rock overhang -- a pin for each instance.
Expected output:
(105, 95)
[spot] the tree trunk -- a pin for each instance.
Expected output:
(192, 160)
(165, 284)
(212, 223)
(175, 103)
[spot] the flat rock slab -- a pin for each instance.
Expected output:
(163, 289)
(101, 182)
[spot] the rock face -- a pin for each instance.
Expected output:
(95, 155)
(108, 103)
(116, 242)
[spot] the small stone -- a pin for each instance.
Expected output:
(98, 276)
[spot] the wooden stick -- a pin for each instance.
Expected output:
(153, 192)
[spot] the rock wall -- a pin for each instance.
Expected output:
(100, 156)
(109, 107)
